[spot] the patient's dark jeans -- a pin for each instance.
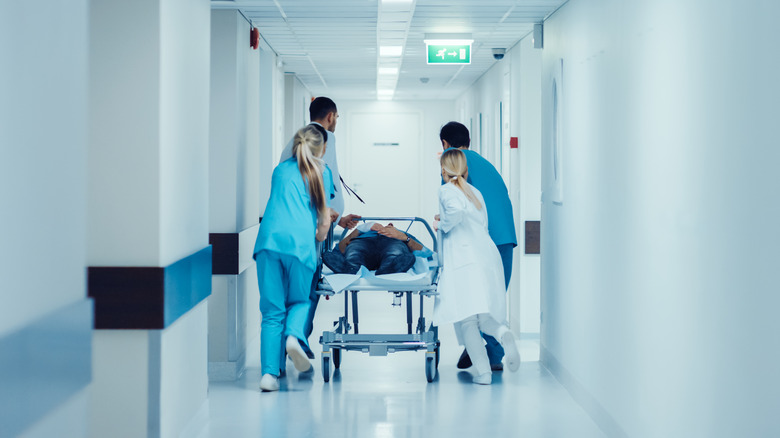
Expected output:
(383, 254)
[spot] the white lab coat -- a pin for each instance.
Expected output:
(472, 277)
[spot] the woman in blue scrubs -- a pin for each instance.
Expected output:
(285, 252)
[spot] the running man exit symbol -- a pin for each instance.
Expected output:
(449, 54)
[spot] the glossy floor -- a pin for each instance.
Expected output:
(388, 396)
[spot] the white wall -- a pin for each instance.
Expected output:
(659, 287)
(526, 183)
(279, 102)
(240, 151)
(71, 416)
(296, 107)
(125, 351)
(227, 120)
(269, 117)
(234, 125)
(184, 128)
(249, 173)
(162, 378)
(513, 81)
(43, 166)
(148, 200)
(183, 370)
(149, 141)
(43, 137)
(124, 135)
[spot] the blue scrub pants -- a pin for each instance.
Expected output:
(284, 284)
(494, 350)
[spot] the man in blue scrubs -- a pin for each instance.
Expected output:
(501, 221)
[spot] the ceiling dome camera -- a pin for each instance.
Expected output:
(498, 54)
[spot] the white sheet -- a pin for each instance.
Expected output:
(420, 274)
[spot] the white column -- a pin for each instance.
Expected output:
(148, 202)
(234, 173)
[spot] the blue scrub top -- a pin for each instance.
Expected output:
(485, 177)
(290, 222)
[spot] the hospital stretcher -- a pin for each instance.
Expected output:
(421, 281)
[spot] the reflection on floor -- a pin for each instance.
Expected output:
(390, 397)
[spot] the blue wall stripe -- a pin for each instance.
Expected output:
(187, 283)
(149, 298)
(44, 364)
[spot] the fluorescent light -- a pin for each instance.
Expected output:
(387, 70)
(448, 38)
(385, 93)
(391, 50)
(436, 42)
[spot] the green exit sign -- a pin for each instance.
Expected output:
(449, 54)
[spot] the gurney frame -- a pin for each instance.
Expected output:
(339, 339)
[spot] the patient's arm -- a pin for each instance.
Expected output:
(345, 241)
(395, 233)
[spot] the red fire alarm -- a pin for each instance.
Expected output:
(254, 38)
(513, 142)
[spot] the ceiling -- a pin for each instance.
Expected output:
(332, 46)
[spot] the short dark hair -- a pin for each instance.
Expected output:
(456, 134)
(320, 108)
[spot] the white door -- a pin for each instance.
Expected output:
(384, 165)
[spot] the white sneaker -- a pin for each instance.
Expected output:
(483, 379)
(303, 374)
(269, 383)
(297, 355)
(308, 374)
(512, 357)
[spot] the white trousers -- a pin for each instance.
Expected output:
(469, 330)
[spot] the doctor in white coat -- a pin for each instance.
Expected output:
(472, 293)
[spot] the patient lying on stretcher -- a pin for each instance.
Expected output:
(385, 249)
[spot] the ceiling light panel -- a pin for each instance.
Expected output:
(391, 51)
(342, 39)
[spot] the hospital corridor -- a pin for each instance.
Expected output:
(389, 218)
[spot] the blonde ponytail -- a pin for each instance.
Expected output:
(453, 162)
(308, 147)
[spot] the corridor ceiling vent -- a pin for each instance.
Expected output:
(448, 48)
(392, 29)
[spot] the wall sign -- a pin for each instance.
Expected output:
(449, 53)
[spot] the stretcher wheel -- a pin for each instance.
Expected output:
(438, 347)
(336, 358)
(325, 368)
(430, 367)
